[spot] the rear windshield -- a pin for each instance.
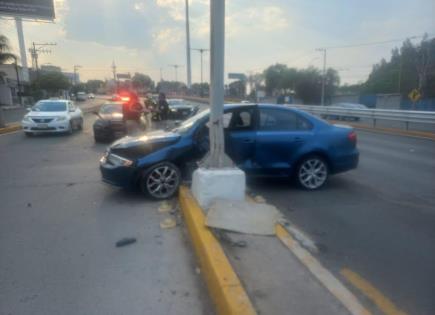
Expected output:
(50, 107)
(111, 108)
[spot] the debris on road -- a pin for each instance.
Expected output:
(259, 199)
(125, 241)
(29, 205)
(168, 223)
(243, 217)
(165, 207)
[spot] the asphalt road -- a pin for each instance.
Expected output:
(378, 220)
(58, 228)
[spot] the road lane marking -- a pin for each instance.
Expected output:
(325, 277)
(380, 300)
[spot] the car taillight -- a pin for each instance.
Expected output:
(125, 98)
(352, 136)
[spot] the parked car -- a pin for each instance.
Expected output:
(345, 116)
(263, 140)
(110, 124)
(180, 110)
(81, 96)
(91, 96)
(52, 116)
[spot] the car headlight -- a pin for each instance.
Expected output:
(26, 118)
(61, 118)
(118, 160)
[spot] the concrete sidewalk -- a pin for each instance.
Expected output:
(276, 281)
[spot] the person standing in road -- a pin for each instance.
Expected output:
(148, 109)
(163, 106)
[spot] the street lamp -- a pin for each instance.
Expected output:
(201, 50)
(324, 74)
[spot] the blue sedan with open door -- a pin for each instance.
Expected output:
(263, 140)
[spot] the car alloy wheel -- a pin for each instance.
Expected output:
(161, 181)
(312, 173)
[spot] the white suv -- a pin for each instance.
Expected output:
(52, 116)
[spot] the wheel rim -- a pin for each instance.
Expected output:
(313, 173)
(162, 181)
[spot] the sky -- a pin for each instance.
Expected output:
(149, 35)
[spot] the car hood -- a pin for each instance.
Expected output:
(137, 147)
(45, 114)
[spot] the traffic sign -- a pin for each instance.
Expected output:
(414, 95)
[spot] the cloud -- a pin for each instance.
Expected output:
(167, 38)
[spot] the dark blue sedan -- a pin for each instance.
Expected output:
(262, 140)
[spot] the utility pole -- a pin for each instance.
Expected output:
(176, 71)
(114, 75)
(217, 157)
(324, 74)
(21, 43)
(76, 67)
(201, 51)
(161, 74)
(189, 69)
(39, 48)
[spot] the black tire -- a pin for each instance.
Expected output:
(70, 129)
(312, 172)
(80, 125)
(29, 134)
(165, 177)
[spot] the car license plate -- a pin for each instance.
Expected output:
(43, 126)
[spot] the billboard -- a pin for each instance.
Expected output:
(34, 9)
(237, 76)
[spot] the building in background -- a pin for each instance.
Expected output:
(12, 84)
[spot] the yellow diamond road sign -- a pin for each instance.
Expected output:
(414, 95)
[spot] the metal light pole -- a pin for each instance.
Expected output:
(216, 157)
(21, 43)
(176, 71)
(324, 74)
(189, 69)
(201, 50)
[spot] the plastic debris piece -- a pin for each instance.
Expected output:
(259, 199)
(168, 223)
(125, 241)
(165, 207)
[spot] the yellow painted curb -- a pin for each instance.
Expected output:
(11, 128)
(391, 131)
(223, 284)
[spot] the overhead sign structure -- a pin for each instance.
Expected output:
(237, 76)
(33, 9)
(414, 95)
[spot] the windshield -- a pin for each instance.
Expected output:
(50, 107)
(187, 124)
(111, 108)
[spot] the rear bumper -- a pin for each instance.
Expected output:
(345, 163)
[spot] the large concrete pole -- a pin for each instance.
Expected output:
(22, 45)
(189, 69)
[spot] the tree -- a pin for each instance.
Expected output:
(52, 82)
(92, 86)
(410, 67)
(274, 77)
(200, 89)
(142, 81)
(237, 88)
(5, 54)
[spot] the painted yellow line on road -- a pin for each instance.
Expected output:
(224, 286)
(10, 128)
(326, 278)
(381, 301)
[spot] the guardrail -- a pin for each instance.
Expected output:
(405, 116)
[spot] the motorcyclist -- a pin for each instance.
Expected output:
(163, 106)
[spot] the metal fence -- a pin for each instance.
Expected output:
(405, 116)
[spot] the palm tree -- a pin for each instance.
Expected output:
(5, 49)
